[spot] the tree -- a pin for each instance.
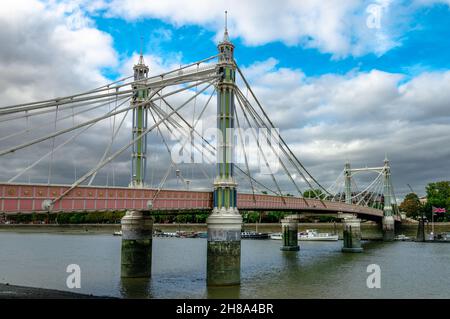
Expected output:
(310, 193)
(438, 195)
(411, 205)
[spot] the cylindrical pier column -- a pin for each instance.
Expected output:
(223, 265)
(388, 228)
(136, 255)
(421, 230)
(290, 234)
(352, 235)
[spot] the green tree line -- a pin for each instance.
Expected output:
(438, 195)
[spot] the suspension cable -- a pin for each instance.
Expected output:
(260, 150)
(121, 150)
(273, 150)
(73, 137)
(281, 138)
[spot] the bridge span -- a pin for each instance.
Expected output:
(30, 198)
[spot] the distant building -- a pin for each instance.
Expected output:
(423, 200)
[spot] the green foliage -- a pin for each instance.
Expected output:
(411, 206)
(309, 193)
(438, 195)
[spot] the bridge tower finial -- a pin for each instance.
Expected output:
(226, 37)
(141, 54)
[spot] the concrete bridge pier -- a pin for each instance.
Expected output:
(388, 228)
(136, 254)
(223, 261)
(352, 235)
(421, 230)
(290, 234)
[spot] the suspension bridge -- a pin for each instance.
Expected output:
(163, 105)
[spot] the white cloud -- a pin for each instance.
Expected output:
(359, 116)
(336, 27)
(49, 53)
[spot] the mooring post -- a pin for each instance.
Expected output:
(289, 227)
(352, 235)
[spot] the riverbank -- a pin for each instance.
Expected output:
(19, 292)
(369, 230)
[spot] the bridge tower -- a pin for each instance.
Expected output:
(388, 218)
(137, 229)
(138, 157)
(224, 224)
(348, 183)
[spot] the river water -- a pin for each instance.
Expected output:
(318, 270)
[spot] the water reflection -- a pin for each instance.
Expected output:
(229, 292)
(133, 288)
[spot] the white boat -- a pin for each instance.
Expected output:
(117, 233)
(402, 238)
(309, 234)
(276, 236)
(313, 234)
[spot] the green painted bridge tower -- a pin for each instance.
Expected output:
(137, 228)
(138, 161)
(388, 222)
(224, 224)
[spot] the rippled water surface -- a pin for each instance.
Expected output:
(319, 270)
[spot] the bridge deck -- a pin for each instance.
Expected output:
(28, 198)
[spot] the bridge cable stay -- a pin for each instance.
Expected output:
(95, 120)
(272, 125)
(28, 158)
(245, 155)
(110, 143)
(260, 150)
(160, 113)
(333, 189)
(73, 137)
(263, 124)
(103, 87)
(125, 147)
(255, 115)
(186, 122)
(173, 164)
(29, 129)
(212, 148)
(69, 106)
(272, 148)
(113, 127)
(58, 99)
(371, 187)
(73, 157)
(376, 194)
(152, 85)
(53, 148)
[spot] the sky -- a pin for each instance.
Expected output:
(342, 80)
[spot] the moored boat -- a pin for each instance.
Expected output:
(254, 235)
(276, 236)
(313, 234)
